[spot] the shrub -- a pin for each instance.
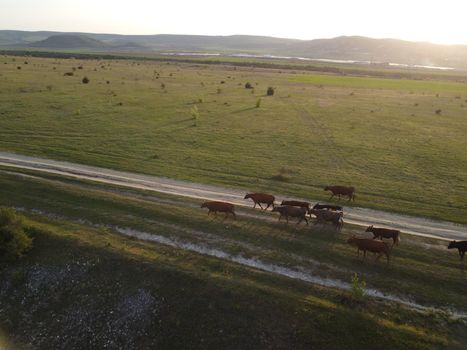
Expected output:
(438, 111)
(358, 288)
(219, 91)
(195, 115)
(248, 86)
(85, 80)
(258, 103)
(69, 74)
(14, 242)
(283, 175)
(270, 91)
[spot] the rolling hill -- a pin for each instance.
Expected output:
(342, 48)
(69, 41)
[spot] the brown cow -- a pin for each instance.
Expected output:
(328, 207)
(294, 212)
(341, 191)
(323, 216)
(259, 198)
(222, 207)
(461, 247)
(366, 244)
(384, 233)
(297, 204)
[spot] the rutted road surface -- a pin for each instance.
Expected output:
(359, 216)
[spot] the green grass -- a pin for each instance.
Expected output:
(380, 135)
(430, 275)
(201, 302)
(383, 84)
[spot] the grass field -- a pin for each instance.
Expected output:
(89, 273)
(383, 136)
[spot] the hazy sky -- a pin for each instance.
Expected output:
(435, 21)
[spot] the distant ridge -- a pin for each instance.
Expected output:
(355, 48)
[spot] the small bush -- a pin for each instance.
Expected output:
(195, 115)
(438, 111)
(258, 103)
(283, 175)
(219, 91)
(248, 86)
(358, 288)
(14, 242)
(270, 91)
(68, 74)
(85, 80)
(19, 67)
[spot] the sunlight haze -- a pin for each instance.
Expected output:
(437, 22)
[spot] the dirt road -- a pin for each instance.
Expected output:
(359, 216)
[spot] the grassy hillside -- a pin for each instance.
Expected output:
(84, 285)
(399, 142)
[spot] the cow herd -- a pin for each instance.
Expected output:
(325, 213)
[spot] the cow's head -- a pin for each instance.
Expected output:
(369, 228)
(452, 244)
(248, 195)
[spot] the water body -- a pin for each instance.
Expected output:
(326, 60)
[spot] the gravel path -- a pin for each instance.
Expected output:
(360, 216)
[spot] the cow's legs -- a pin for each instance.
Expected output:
(260, 206)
